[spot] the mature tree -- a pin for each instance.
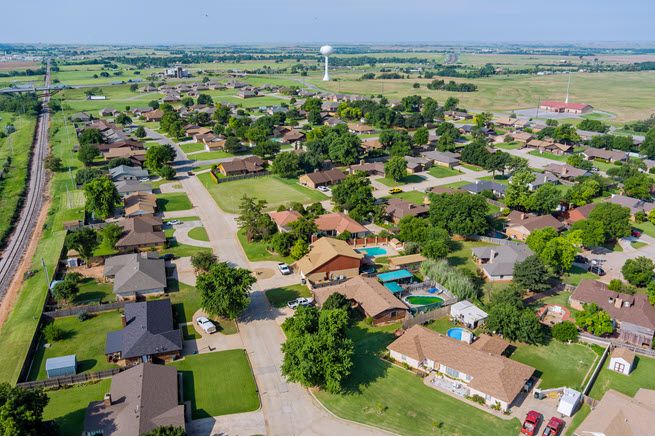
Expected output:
(123, 119)
(90, 136)
(436, 249)
(638, 186)
(459, 213)
(615, 219)
(225, 290)
(286, 164)
(496, 162)
(282, 242)
(203, 261)
(594, 320)
(355, 195)
(111, 234)
(531, 274)
(140, 132)
(266, 149)
(336, 301)
(559, 253)
(517, 195)
(544, 199)
(167, 172)
(84, 241)
(592, 232)
(252, 219)
(87, 153)
(514, 323)
(115, 162)
(303, 228)
(85, 175)
(52, 162)
(395, 168)
(584, 192)
(317, 352)
(158, 156)
(451, 103)
(564, 331)
(538, 238)
(345, 149)
(638, 271)
(167, 430)
(21, 411)
(205, 99)
(299, 249)
(566, 134)
(577, 160)
(66, 290)
(421, 136)
(102, 197)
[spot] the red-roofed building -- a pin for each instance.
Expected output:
(572, 108)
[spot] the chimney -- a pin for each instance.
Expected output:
(492, 255)
(565, 170)
(618, 303)
(107, 400)
(524, 216)
(123, 320)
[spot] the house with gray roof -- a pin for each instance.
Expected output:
(136, 274)
(148, 335)
(444, 159)
(635, 205)
(125, 172)
(140, 399)
(478, 187)
(542, 179)
(131, 186)
(497, 262)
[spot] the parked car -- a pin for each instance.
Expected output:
(301, 301)
(144, 180)
(554, 427)
(284, 268)
(581, 259)
(532, 422)
(596, 270)
(323, 188)
(189, 173)
(206, 325)
(636, 233)
(174, 222)
(395, 190)
(168, 257)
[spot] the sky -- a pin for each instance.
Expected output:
(151, 22)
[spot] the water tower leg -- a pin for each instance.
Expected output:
(326, 77)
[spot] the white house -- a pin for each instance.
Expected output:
(467, 313)
(622, 360)
(494, 378)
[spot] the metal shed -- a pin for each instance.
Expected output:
(61, 366)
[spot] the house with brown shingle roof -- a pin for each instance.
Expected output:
(397, 208)
(620, 414)
(633, 315)
(579, 213)
(497, 379)
(140, 204)
(565, 171)
(143, 232)
(370, 168)
(522, 227)
(249, 165)
(329, 259)
(154, 115)
(591, 153)
(283, 219)
(336, 223)
(140, 399)
(368, 295)
(322, 178)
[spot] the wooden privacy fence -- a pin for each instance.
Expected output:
(75, 311)
(63, 381)
(237, 177)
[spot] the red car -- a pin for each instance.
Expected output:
(532, 422)
(554, 427)
(636, 233)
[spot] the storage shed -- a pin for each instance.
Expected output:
(468, 314)
(570, 401)
(61, 366)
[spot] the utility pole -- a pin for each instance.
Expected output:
(45, 271)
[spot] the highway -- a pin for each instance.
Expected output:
(18, 241)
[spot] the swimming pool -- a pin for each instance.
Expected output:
(423, 300)
(373, 251)
(460, 334)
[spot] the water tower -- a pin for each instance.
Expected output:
(326, 51)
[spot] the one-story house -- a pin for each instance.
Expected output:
(283, 219)
(249, 165)
(140, 204)
(136, 274)
(336, 223)
(148, 335)
(370, 168)
(143, 232)
(579, 213)
(565, 171)
(479, 186)
(417, 164)
(635, 205)
(369, 295)
(497, 262)
(131, 186)
(329, 259)
(140, 399)
(620, 414)
(443, 159)
(521, 229)
(322, 178)
(126, 172)
(591, 153)
(495, 378)
(397, 208)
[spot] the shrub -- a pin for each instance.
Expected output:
(83, 316)
(455, 280)
(53, 333)
(565, 332)
(477, 399)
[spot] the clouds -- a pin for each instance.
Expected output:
(336, 21)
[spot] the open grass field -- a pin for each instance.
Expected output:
(559, 364)
(16, 147)
(641, 376)
(17, 332)
(218, 383)
(275, 190)
(278, 297)
(85, 339)
(173, 202)
(396, 400)
(67, 407)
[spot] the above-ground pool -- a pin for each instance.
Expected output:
(373, 251)
(423, 300)
(460, 334)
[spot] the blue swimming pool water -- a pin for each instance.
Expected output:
(373, 251)
(456, 333)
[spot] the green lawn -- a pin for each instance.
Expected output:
(92, 291)
(396, 400)
(275, 190)
(199, 233)
(646, 227)
(508, 146)
(413, 196)
(180, 250)
(256, 250)
(186, 301)
(638, 244)
(560, 364)
(192, 147)
(463, 257)
(85, 339)
(578, 418)
(67, 407)
(409, 179)
(278, 297)
(640, 377)
(472, 167)
(501, 179)
(441, 325)
(218, 383)
(577, 274)
(173, 202)
(439, 171)
(548, 155)
(206, 156)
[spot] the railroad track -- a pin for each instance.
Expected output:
(22, 233)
